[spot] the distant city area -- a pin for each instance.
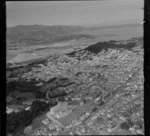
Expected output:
(74, 68)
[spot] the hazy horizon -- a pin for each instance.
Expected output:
(77, 13)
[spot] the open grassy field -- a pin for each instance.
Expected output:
(66, 120)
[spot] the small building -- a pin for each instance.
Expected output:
(76, 98)
(88, 98)
(61, 109)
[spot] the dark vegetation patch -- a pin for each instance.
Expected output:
(24, 86)
(51, 80)
(39, 61)
(61, 99)
(54, 83)
(55, 87)
(56, 94)
(25, 118)
(10, 68)
(16, 71)
(126, 125)
(80, 53)
(139, 124)
(72, 54)
(79, 73)
(12, 72)
(28, 64)
(34, 62)
(98, 47)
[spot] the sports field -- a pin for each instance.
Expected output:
(76, 114)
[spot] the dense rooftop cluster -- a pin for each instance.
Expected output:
(107, 81)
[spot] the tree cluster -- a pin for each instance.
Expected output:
(25, 118)
(23, 86)
(126, 125)
(98, 47)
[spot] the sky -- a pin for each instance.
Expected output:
(81, 13)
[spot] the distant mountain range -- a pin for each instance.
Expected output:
(43, 34)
